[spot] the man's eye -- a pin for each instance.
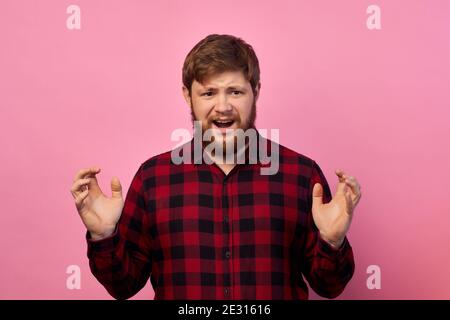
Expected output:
(207, 94)
(236, 92)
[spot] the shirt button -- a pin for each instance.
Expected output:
(227, 254)
(226, 291)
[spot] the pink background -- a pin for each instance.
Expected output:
(375, 103)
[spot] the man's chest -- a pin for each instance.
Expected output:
(203, 209)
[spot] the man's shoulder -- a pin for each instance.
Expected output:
(290, 156)
(158, 160)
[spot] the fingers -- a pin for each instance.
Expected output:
(352, 183)
(86, 171)
(340, 175)
(79, 186)
(80, 198)
(81, 175)
(350, 202)
(341, 188)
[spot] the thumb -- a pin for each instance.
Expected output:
(116, 188)
(317, 195)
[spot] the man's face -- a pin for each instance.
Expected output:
(224, 101)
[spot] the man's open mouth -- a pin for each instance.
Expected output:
(223, 123)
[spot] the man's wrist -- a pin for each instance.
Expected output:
(335, 244)
(98, 237)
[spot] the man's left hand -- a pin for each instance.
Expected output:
(333, 219)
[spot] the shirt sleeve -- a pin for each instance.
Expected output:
(122, 262)
(327, 269)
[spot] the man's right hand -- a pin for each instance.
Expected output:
(99, 213)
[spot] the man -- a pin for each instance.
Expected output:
(221, 230)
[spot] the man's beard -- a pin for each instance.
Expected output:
(207, 124)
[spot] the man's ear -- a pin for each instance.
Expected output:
(258, 88)
(187, 96)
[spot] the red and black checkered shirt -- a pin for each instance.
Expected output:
(201, 234)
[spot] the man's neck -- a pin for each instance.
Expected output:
(225, 167)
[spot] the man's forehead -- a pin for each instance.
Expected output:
(225, 79)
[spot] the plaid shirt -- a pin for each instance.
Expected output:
(201, 234)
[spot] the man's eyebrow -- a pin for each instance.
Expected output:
(236, 87)
(232, 87)
(207, 88)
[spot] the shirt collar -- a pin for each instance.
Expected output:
(261, 145)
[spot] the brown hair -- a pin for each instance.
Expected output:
(219, 53)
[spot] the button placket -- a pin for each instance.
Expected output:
(226, 252)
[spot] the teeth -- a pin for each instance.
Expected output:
(223, 123)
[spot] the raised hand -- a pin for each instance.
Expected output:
(98, 212)
(333, 219)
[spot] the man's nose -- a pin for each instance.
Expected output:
(223, 106)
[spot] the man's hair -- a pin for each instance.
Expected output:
(218, 53)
